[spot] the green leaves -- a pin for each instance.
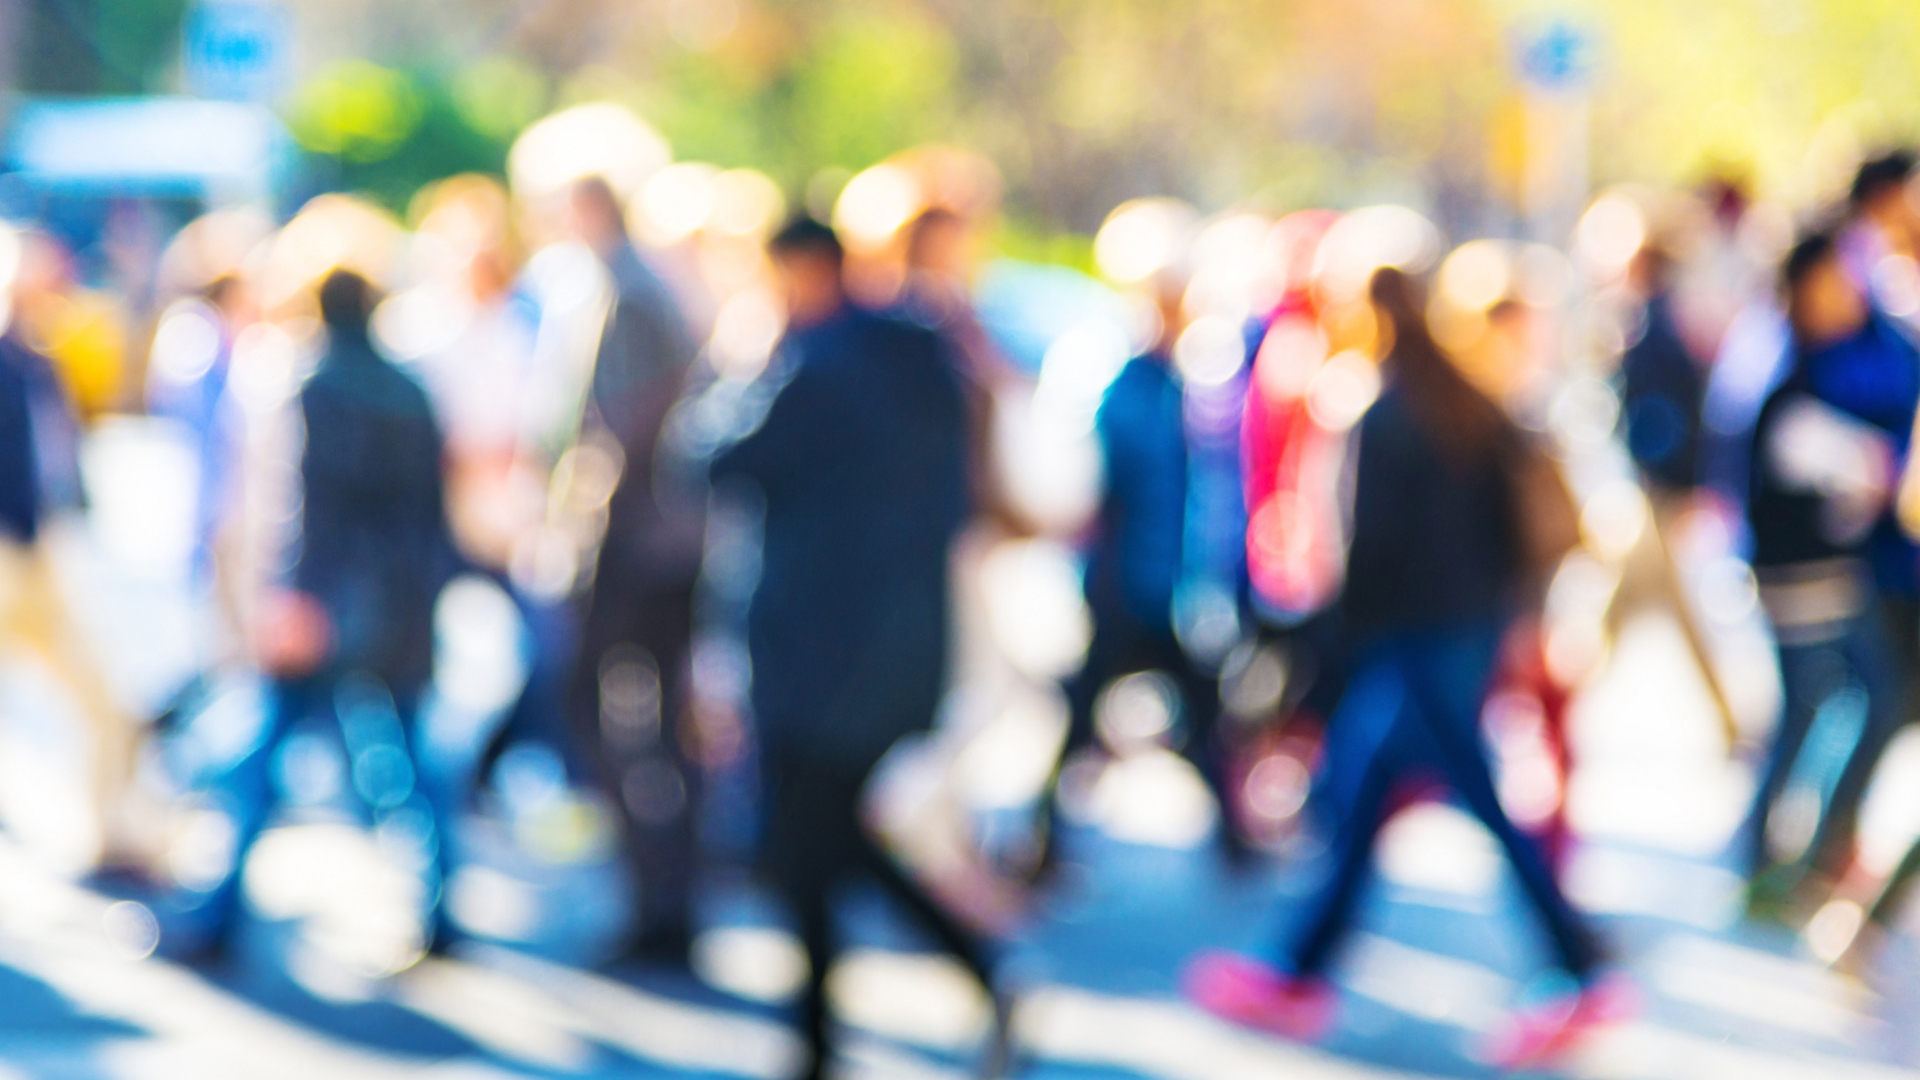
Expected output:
(356, 110)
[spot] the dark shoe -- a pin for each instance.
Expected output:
(1240, 857)
(442, 936)
(197, 938)
(658, 948)
(209, 954)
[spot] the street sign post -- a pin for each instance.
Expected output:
(1555, 63)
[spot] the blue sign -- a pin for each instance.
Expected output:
(216, 150)
(1559, 57)
(236, 50)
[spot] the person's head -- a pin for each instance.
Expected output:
(808, 261)
(937, 243)
(472, 217)
(1726, 196)
(1880, 187)
(1464, 422)
(45, 268)
(346, 301)
(596, 216)
(1398, 302)
(1650, 273)
(1166, 291)
(1824, 304)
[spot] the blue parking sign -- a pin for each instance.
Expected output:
(235, 50)
(1558, 57)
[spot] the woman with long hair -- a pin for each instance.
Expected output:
(1453, 527)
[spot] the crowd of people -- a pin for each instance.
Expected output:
(1341, 478)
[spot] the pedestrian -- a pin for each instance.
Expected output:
(1662, 393)
(40, 492)
(350, 637)
(937, 294)
(861, 461)
(1136, 563)
(19, 465)
(633, 676)
(1830, 565)
(1454, 517)
(187, 378)
(474, 350)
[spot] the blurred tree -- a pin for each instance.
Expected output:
(1084, 103)
(98, 46)
(386, 133)
(1088, 102)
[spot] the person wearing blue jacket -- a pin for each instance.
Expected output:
(1836, 577)
(861, 463)
(1135, 565)
(1662, 386)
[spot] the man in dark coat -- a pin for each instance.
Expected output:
(353, 638)
(862, 462)
(632, 677)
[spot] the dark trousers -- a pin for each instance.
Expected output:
(540, 713)
(1123, 645)
(630, 702)
(815, 843)
(1412, 707)
(1859, 656)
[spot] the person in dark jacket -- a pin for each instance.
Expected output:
(1662, 392)
(1661, 385)
(19, 465)
(1437, 564)
(39, 479)
(352, 638)
(861, 462)
(631, 683)
(1827, 557)
(1136, 562)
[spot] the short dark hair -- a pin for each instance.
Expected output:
(346, 299)
(1812, 252)
(805, 235)
(1889, 170)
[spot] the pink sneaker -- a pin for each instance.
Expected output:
(1544, 1034)
(1248, 992)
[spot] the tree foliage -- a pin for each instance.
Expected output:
(1084, 103)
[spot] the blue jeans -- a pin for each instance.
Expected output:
(1858, 656)
(386, 767)
(1412, 706)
